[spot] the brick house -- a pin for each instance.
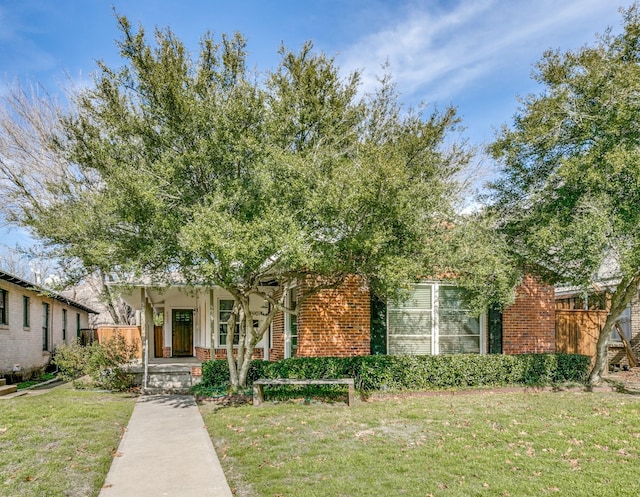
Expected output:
(33, 322)
(181, 322)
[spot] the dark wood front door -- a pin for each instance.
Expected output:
(158, 340)
(182, 332)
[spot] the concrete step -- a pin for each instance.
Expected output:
(169, 379)
(165, 390)
(7, 389)
(3, 382)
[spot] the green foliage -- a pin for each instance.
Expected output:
(393, 373)
(36, 380)
(105, 363)
(71, 360)
(568, 193)
(232, 178)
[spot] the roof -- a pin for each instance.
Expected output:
(43, 291)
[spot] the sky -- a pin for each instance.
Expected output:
(477, 55)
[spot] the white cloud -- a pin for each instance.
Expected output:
(436, 53)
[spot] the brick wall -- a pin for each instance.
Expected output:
(20, 345)
(258, 353)
(203, 354)
(331, 323)
(528, 325)
(336, 322)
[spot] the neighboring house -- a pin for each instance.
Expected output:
(177, 321)
(33, 322)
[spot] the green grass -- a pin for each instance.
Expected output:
(59, 443)
(507, 444)
(36, 381)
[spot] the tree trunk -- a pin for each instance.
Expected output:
(620, 299)
(601, 350)
(233, 371)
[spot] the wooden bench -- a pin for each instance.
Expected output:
(258, 393)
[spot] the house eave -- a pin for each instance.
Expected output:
(11, 278)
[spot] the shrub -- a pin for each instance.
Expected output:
(106, 363)
(393, 373)
(71, 360)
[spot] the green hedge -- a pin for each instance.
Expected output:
(381, 372)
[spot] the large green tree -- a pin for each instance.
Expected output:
(569, 189)
(197, 166)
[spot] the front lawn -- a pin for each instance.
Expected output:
(505, 444)
(60, 443)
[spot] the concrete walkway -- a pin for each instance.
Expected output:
(166, 450)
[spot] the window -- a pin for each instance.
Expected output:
(225, 308)
(78, 324)
(4, 307)
(410, 323)
(26, 311)
(292, 324)
(458, 329)
(64, 324)
(625, 324)
(45, 326)
(435, 319)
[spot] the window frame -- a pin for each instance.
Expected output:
(4, 308)
(413, 310)
(220, 324)
(46, 325)
(26, 311)
(625, 323)
(289, 318)
(435, 329)
(465, 312)
(64, 324)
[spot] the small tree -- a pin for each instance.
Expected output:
(568, 193)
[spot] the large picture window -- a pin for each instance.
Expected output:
(434, 319)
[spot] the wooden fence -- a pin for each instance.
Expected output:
(577, 331)
(131, 334)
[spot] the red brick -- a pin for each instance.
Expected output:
(528, 325)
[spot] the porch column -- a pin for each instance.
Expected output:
(212, 331)
(143, 336)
